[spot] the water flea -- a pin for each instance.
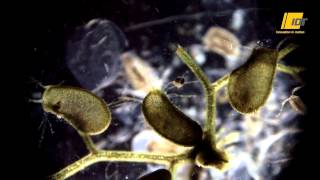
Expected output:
(222, 42)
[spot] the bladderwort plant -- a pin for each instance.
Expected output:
(248, 88)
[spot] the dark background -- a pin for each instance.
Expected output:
(49, 23)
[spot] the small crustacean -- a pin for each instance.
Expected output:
(295, 103)
(179, 82)
(140, 74)
(92, 53)
(222, 42)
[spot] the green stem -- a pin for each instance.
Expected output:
(176, 164)
(285, 51)
(88, 142)
(117, 156)
(220, 83)
(292, 70)
(209, 129)
(173, 170)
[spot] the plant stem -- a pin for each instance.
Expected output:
(285, 51)
(220, 83)
(210, 125)
(292, 70)
(88, 142)
(173, 167)
(118, 156)
(173, 170)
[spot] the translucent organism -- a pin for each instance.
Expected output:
(295, 103)
(178, 82)
(93, 53)
(222, 42)
(140, 74)
(83, 110)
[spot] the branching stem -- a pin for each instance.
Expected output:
(209, 92)
(118, 156)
